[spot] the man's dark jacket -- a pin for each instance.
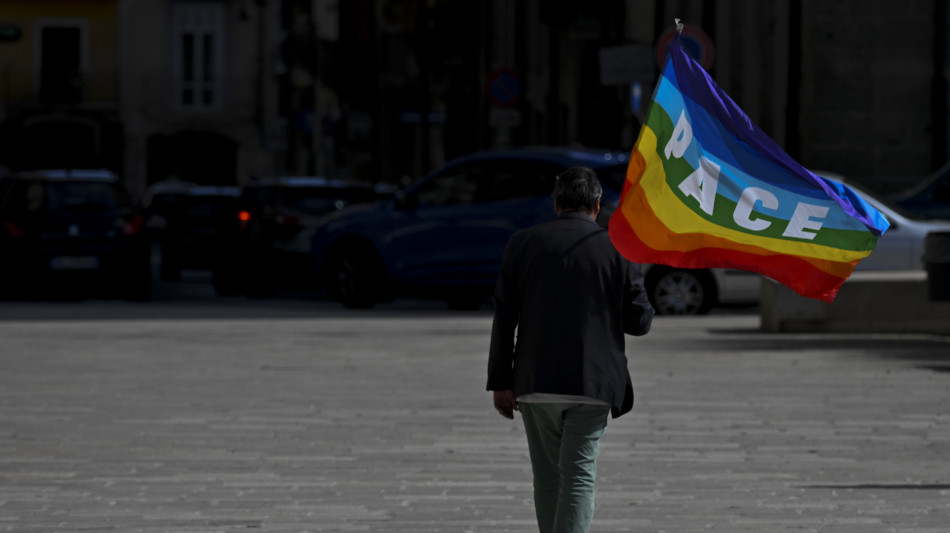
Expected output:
(571, 296)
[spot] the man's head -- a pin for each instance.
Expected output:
(577, 189)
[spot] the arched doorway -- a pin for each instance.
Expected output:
(61, 141)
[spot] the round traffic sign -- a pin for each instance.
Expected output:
(503, 87)
(694, 40)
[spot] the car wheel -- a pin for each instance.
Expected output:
(170, 269)
(355, 276)
(136, 287)
(260, 271)
(225, 282)
(679, 291)
(226, 271)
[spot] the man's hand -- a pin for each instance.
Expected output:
(505, 403)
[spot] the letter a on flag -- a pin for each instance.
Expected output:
(707, 188)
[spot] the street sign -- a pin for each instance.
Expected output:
(636, 97)
(502, 117)
(621, 65)
(503, 87)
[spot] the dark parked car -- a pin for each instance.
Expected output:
(443, 237)
(65, 230)
(266, 242)
(161, 201)
(186, 220)
(929, 199)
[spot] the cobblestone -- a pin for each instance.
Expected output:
(316, 419)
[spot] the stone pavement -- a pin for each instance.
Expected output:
(186, 418)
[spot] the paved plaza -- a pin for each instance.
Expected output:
(298, 416)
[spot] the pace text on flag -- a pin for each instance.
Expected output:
(707, 188)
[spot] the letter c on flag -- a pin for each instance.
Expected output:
(743, 213)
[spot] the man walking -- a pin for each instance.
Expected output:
(572, 297)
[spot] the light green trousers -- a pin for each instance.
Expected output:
(563, 441)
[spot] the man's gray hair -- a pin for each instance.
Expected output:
(577, 189)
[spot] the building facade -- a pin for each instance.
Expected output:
(221, 91)
(195, 101)
(59, 90)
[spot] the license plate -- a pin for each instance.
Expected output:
(74, 262)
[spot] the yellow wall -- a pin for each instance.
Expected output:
(18, 59)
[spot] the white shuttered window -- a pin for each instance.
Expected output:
(198, 51)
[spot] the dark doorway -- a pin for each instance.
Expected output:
(60, 65)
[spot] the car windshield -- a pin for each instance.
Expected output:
(878, 201)
(321, 200)
(209, 205)
(938, 180)
(74, 195)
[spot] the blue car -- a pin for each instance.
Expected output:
(443, 237)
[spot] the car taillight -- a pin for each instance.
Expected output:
(244, 217)
(133, 225)
(12, 230)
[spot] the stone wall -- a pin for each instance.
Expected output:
(866, 89)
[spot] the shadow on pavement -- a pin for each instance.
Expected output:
(193, 298)
(238, 308)
(927, 352)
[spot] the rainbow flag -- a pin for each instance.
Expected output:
(707, 188)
